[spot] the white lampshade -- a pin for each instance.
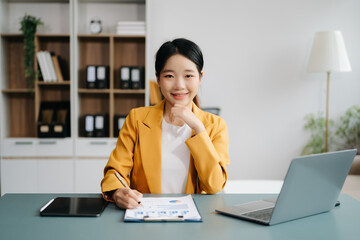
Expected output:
(328, 53)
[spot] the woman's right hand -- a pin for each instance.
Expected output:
(127, 198)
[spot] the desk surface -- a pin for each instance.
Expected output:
(19, 219)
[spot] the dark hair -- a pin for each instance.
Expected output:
(183, 47)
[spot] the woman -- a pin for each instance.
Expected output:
(173, 147)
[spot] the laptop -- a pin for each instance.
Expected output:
(312, 185)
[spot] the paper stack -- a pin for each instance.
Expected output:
(131, 28)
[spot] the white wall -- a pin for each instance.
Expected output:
(256, 55)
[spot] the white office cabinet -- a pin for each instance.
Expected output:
(18, 176)
(89, 173)
(37, 176)
(101, 148)
(55, 176)
(37, 147)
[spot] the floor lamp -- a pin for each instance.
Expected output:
(328, 55)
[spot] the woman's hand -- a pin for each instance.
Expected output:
(127, 198)
(180, 114)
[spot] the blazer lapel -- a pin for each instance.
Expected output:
(150, 147)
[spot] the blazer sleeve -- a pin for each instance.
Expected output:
(121, 158)
(210, 151)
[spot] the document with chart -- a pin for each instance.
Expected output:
(164, 209)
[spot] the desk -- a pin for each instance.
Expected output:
(19, 219)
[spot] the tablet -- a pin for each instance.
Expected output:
(74, 207)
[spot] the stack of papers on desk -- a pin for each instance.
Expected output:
(164, 209)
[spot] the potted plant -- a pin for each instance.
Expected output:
(349, 134)
(28, 27)
(315, 123)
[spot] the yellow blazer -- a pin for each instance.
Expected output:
(137, 155)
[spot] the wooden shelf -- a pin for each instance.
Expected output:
(129, 91)
(65, 83)
(55, 35)
(109, 35)
(92, 91)
(18, 90)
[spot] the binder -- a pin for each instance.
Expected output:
(45, 123)
(91, 77)
(101, 125)
(54, 120)
(125, 77)
(42, 64)
(50, 65)
(59, 75)
(137, 78)
(119, 121)
(102, 77)
(61, 124)
(89, 125)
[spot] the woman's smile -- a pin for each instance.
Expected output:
(179, 96)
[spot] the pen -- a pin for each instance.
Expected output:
(123, 182)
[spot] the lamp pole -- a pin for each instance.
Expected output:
(327, 113)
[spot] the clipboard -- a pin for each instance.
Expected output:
(164, 209)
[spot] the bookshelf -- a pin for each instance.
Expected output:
(66, 34)
(23, 101)
(114, 51)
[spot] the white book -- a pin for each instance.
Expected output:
(47, 74)
(42, 65)
(131, 23)
(50, 64)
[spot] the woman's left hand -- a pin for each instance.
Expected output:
(181, 114)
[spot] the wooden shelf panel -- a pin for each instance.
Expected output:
(125, 102)
(93, 91)
(65, 83)
(54, 93)
(36, 35)
(21, 116)
(129, 91)
(17, 91)
(13, 50)
(104, 35)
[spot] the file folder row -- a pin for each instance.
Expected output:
(131, 77)
(97, 77)
(96, 125)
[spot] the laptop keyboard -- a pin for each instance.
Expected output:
(264, 214)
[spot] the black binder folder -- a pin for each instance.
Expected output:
(125, 77)
(89, 125)
(102, 77)
(119, 121)
(137, 78)
(44, 126)
(61, 123)
(54, 120)
(91, 77)
(101, 125)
